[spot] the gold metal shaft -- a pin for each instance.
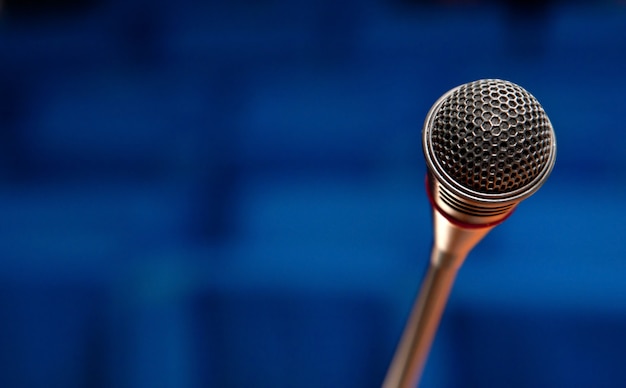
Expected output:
(419, 333)
(452, 244)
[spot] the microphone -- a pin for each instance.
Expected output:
(488, 145)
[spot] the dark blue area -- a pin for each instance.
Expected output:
(206, 194)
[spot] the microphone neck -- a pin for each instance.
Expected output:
(453, 243)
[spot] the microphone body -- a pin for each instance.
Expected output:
(488, 145)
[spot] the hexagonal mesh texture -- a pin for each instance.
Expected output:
(491, 136)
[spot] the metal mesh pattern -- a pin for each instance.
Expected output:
(491, 136)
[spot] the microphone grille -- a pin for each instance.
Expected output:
(492, 137)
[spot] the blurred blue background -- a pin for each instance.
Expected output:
(230, 194)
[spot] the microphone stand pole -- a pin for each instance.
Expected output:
(451, 246)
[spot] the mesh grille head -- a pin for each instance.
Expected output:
(491, 137)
